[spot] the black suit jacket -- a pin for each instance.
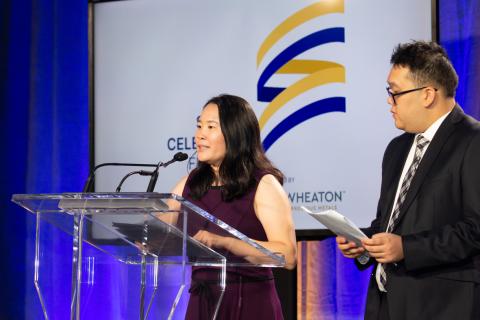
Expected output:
(439, 223)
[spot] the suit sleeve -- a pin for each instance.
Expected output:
(458, 241)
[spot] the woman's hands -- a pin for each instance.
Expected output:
(212, 240)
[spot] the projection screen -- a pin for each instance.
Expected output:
(314, 72)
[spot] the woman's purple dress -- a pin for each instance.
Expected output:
(250, 292)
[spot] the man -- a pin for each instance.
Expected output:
(425, 239)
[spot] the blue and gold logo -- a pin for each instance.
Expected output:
(317, 72)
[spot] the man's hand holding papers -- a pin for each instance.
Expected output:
(349, 236)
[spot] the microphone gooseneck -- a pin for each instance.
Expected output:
(154, 177)
(140, 172)
(179, 156)
(91, 178)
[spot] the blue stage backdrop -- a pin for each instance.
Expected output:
(459, 26)
(44, 129)
(44, 114)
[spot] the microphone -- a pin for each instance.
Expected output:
(179, 156)
(91, 178)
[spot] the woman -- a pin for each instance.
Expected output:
(235, 182)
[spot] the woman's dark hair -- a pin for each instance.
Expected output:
(244, 152)
(428, 64)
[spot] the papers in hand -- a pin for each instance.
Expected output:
(338, 224)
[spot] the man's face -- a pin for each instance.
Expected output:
(407, 109)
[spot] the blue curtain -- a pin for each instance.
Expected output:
(459, 33)
(44, 127)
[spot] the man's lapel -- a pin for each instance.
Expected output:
(436, 145)
(392, 176)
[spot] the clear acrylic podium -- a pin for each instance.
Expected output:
(148, 234)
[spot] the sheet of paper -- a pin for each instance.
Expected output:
(338, 224)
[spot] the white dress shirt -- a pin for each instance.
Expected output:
(428, 134)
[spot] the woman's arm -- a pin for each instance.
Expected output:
(274, 212)
(178, 190)
(174, 205)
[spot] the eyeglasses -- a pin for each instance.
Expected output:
(394, 94)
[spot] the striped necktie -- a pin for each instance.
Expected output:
(422, 142)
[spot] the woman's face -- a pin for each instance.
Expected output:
(209, 138)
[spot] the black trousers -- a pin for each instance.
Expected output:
(383, 310)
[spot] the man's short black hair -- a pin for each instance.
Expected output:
(428, 64)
